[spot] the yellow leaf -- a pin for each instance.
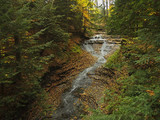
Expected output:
(151, 93)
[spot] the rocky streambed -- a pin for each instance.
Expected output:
(75, 99)
(78, 84)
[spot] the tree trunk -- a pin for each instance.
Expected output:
(103, 2)
(96, 1)
(107, 8)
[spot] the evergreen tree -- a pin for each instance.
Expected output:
(27, 29)
(139, 93)
(69, 18)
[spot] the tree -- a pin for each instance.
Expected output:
(96, 1)
(138, 97)
(139, 19)
(75, 14)
(27, 28)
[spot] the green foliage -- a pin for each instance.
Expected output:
(139, 95)
(29, 28)
(136, 15)
(69, 19)
(76, 49)
(114, 60)
(26, 29)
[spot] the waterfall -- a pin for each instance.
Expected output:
(69, 99)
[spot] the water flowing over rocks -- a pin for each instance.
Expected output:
(73, 100)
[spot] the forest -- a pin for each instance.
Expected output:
(41, 54)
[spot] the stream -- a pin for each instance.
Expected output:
(70, 107)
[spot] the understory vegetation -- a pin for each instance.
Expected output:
(137, 93)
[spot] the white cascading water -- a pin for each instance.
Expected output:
(69, 99)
